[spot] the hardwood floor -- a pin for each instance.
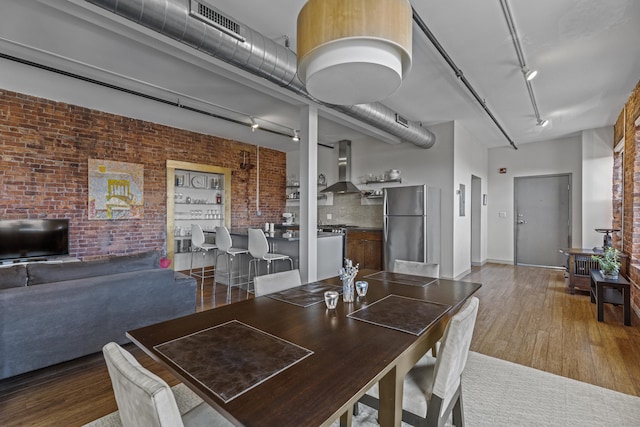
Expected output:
(526, 316)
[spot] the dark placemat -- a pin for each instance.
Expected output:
(404, 314)
(404, 279)
(233, 357)
(305, 295)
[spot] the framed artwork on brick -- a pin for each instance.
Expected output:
(116, 190)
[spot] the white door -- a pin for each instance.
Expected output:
(542, 219)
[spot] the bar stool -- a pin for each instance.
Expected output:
(259, 250)
(198, 245)
(224, 243)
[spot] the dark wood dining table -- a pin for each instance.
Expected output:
(269, 362)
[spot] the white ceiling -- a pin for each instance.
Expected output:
(587, 53)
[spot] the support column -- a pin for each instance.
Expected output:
(308, 193)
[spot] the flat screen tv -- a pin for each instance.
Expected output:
(26, 239)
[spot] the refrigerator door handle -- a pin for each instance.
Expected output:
(384, 203)
(385, 228)
(426, 253)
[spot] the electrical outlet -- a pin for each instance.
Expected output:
(329, 216)
(259, 213)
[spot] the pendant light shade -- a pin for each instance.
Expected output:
(354, 51)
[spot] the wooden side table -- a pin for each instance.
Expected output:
(580, 263)
(611, 291)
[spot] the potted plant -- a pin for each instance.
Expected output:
(609, 262)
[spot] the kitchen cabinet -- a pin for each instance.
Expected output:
(364, 247)
(196, 194)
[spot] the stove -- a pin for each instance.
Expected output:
(335, 228)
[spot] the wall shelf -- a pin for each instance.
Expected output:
(383, 181)
(298, 186)
(202, 184)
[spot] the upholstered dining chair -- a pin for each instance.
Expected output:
(417, 268)
(276, 282)
(144, 399)
(259, 250)
(433, 386)
(226, 249)
(198, 245)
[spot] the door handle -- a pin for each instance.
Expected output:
(521, 221)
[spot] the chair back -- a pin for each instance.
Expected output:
(417, 268)
(276, 282)
(197, 236)
(258, 245)
(223, 239)
(143, 398)
(453, 353)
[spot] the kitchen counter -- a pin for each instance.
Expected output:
(287, 242)
(278, 234)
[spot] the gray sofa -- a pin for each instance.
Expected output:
(51, 313)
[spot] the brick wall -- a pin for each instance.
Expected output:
(44, 148)
(625, 126)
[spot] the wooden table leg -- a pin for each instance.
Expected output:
(626, 308)
(391, 388)
(346, 419)
(599, 302)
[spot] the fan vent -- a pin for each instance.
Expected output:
(218, 20)
(402, 121)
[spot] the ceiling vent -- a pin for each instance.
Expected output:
(402, 121)
(211, 16)
(190, 22)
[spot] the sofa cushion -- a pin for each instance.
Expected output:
(13, 277)
(59, 272)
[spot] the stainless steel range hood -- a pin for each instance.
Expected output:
(344, 184)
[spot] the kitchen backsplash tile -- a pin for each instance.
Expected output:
(347, 209)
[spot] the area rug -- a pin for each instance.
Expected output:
(500, 393)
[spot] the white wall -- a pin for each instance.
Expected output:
(597, 184)
(433, 166)
(470, 159)
(542, 158)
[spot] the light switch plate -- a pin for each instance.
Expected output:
(329, 216)
(502, 214)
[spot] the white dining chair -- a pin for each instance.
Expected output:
(433, 386)
(276, 282)
(198, 244)
(416, 268)
(226, 249)
(144, 399)
(259, 250)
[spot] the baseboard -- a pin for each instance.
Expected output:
(461, 275)
(500, 261)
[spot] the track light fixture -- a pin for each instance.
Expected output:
(529, 74)
(542, 123)
(295, 136)
(254, 125)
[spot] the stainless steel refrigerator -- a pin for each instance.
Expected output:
(411, 224)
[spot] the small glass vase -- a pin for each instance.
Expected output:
(348, 289)
(612, 275)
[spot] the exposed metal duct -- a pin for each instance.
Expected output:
(344, 184)
(257, 54)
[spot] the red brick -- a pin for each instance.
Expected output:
(45, 146)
